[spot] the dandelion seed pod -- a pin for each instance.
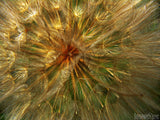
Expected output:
(79, 59)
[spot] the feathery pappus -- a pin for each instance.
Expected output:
(79, 59)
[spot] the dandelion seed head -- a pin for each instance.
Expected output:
(77, 59)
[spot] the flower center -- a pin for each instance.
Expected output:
(68, 54)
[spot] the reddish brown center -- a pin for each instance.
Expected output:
(68, 54)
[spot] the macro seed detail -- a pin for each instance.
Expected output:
(78, 59)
